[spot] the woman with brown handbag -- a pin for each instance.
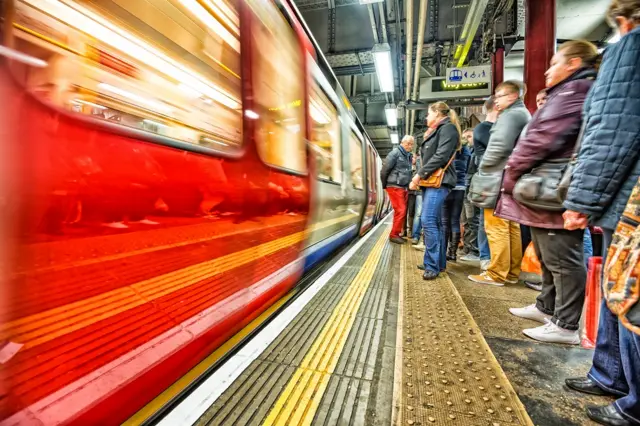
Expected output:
(437, 178)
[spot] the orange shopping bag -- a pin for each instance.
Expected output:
(593, 299)
(531, 270)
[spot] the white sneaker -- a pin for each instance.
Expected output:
(484, 264)
(530, 312)
(511, 281)
(551, 333)
(116, 225)
(420, 246)
(470, 258)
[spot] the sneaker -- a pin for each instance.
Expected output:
(533, 286)
(415, 241)
(530, 312)
(512, 281)
(551, 333)
(148, 222)
(397, 240)
(420, 246)
(484, 278)
(470, 258)
(115, 225)
(484, 264)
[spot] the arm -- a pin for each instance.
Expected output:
(389, 164)
(611, 144)
(558, 124)
(448, 140)
(503, 138)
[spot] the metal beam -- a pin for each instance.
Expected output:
(305, 5)
(372, 99)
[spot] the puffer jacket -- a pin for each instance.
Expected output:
(436, 152)
(608, 163)
(551, 135)
(396, 170)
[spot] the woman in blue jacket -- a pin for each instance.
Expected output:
(452, 208)
(608, 167)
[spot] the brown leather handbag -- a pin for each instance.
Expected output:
(435, 179)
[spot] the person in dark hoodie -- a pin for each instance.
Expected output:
(551, 136)
(452, 209)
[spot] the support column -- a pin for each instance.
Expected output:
(540, 45)
(497, 68)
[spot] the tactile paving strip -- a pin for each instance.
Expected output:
(449, 374)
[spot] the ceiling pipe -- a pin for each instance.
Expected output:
(416, 75)
(408, 59)
(471, 23)
(374, 27)
(383, 22)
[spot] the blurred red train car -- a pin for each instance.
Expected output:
(169, 169)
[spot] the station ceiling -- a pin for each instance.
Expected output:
(346, 31)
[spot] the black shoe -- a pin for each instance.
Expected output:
(452, 258)
(585, 385)
(428, 275)
(421, 267)
(607, 415)
(397, 240)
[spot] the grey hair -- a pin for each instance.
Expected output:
(406, 138)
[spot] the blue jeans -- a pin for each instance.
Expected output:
(616, 360)
(435, 254)
(588, 247)
(416, 218)
(483, 242)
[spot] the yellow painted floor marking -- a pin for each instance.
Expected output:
(161, 400)
(45, 326)
(298, 403)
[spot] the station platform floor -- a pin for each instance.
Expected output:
(368, 342)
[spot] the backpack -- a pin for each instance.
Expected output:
(621, 281)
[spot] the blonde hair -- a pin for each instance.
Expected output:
(514, 86)
(629, 9)
(587, 52)
(443, 109)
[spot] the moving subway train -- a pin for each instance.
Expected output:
(169, 169)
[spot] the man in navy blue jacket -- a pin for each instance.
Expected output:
(607, 169)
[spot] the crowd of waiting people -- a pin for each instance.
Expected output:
(547, 177)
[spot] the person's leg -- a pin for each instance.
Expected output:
(483, 241)
(405, 203)
(562, 254)
(497, 230)
(416, 218)
(515, 247)
(629, 406)
(456, 213)
(525, 236)
(546, 300)
(396, 195)
(447, 210)
(411, 208)
(432, 201)
(471, 228)
(606, 369)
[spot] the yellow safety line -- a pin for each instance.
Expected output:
(165, 397)
(298, 403)
(45, 326)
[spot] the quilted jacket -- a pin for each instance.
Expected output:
(397, 167)
(551, 135)
(608, 163)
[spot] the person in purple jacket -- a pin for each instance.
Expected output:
(552, 135)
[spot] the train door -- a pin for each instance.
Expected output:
(357, 169)
(370, 210)
(332, 221)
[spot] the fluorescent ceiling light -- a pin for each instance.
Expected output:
(391, 113)
(615, 37)
(102, 29)
(394, 138)
(382, 59)
(251, 114)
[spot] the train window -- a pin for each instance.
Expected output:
(167, 67)
(325, 135)
(355, 156)
(278, 89)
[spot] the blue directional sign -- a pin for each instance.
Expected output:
(465, 75)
